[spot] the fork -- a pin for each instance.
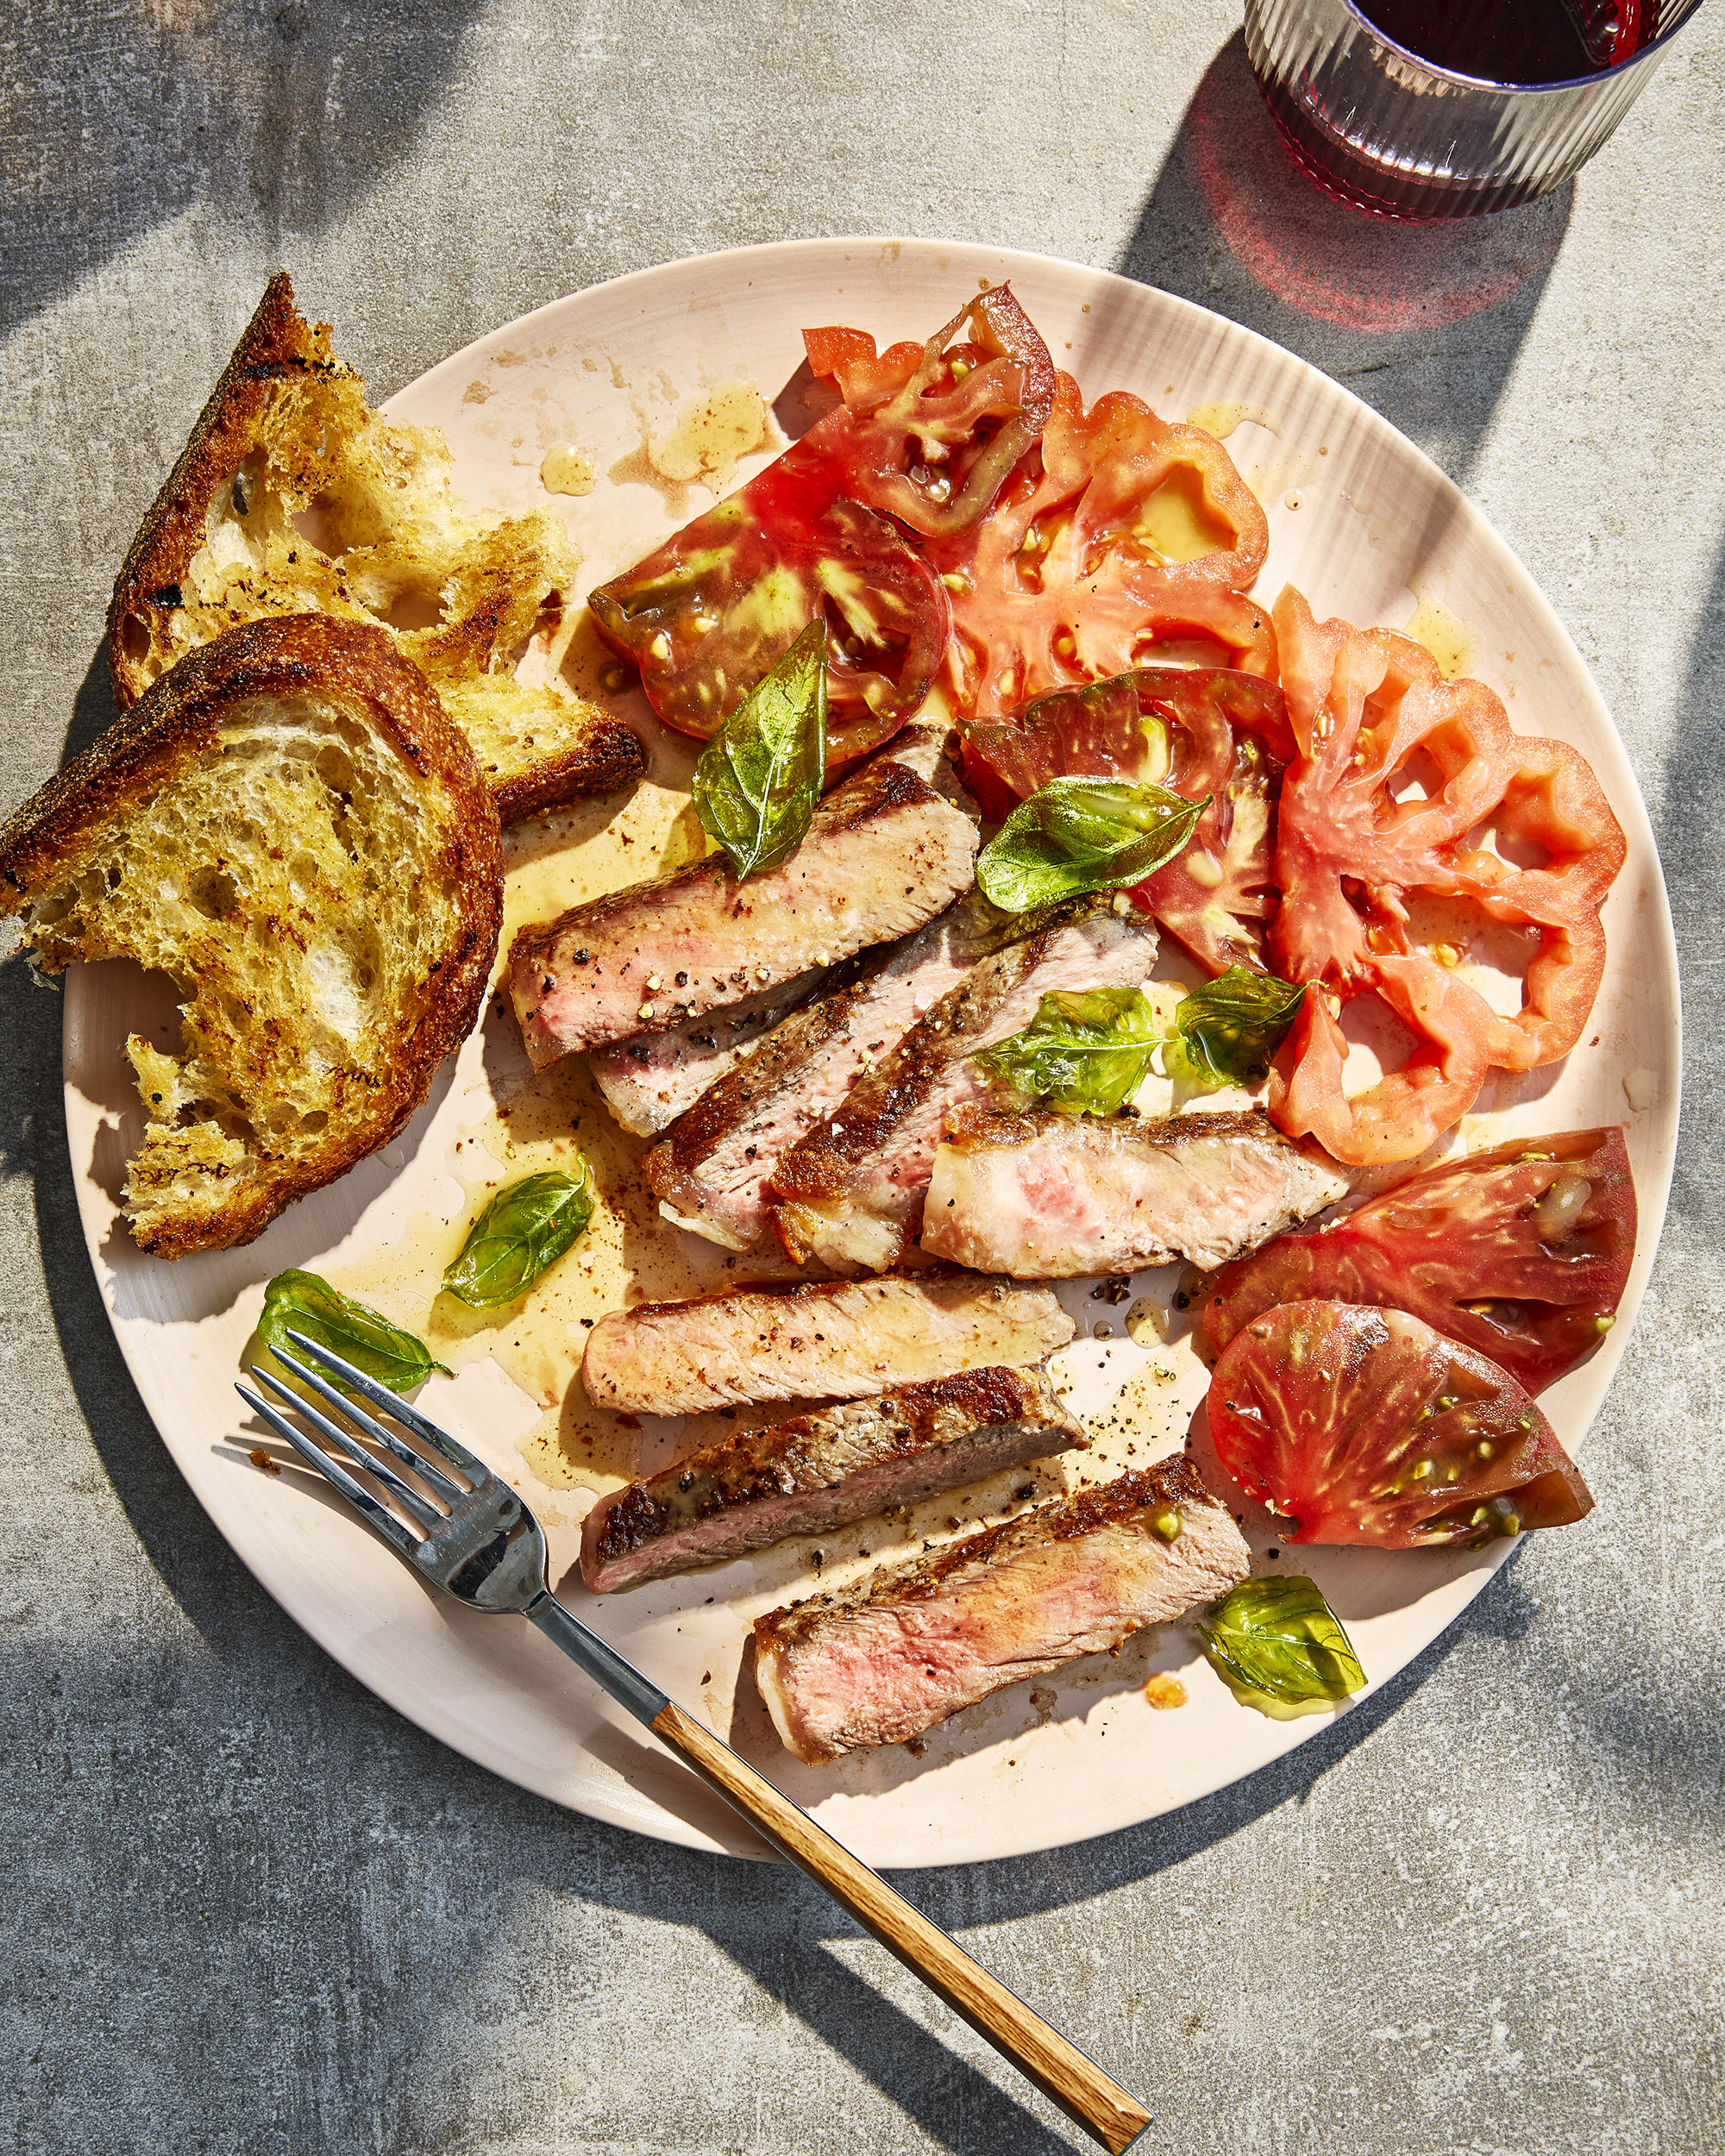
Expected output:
(475, 1538)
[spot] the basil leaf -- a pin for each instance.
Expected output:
(1231, 1027)
(364, 1336)
(759, 778)
(526, 1227)
(1079, 835)
(1085, 1052)
(1281, 1638)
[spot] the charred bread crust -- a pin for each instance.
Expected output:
(178, 719)
(277, 346)
(612, 757)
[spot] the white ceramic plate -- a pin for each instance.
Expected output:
(1368, 528)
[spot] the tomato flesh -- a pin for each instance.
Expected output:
(707, 614)
(822, 531)
(1198, 731)
(1522, 1252)
(1355, 844)
(1066, 582)
(1366, 1425)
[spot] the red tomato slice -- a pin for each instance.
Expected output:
(705, 615)
(1522, 1252)
(938, 429)
(933, 431)
(1366, 1425)
(1197, 730)
(1117, 532)
(1355, 848)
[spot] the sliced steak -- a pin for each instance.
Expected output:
(892, 1657)
(822, 1471)
(850, 1194)
(887, 851)
(1045, 1197)
(712, 1171)
(838, 1340)
(650, 1080)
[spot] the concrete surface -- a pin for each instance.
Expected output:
(248, 1909)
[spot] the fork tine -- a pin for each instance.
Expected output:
(409, 1417)
(446, 1488)
(420, 1509)
(376, 1516)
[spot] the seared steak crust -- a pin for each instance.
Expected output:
(850, 1196)
(648, 1080)
(821, 1471)
(886, 852)
(836, 1339)
(1048, 1197)
(890, 1658)
(712, 1170)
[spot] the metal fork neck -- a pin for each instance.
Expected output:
(602, 1663)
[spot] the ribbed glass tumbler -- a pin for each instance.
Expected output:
(1376, 126)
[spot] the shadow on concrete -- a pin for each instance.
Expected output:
(275, 115)
(1422, 322)
(1690, 816)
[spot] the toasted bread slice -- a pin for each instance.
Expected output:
(294, 497)
(290, 827)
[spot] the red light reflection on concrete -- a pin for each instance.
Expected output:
(1337, 263)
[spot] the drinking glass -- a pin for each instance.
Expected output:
(1376, 126)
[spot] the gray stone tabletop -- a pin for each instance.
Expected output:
(250, 1909)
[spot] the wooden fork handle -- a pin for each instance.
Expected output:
(1059, 2069)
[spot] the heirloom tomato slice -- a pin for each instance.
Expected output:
(1364, 1426)
(931, 431)
(1399, 778)
(1197, 730)
(1117, 532)
(1522, 1252)
(935, 430)
(709, 613)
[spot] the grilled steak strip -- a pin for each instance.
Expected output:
(850, 1194)
(894, 1657)
(648, 1080)
(712, 1169)
(1046, 1197)
(822, 1471)
(887, 851)
(837, 1340)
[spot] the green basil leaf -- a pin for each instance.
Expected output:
(759, 778)
(1281, 1638)
(1231, 1027)
(1085, 1052)
(526, 1227)
(364, 1337)
(1075, 836)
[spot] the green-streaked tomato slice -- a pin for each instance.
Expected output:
(1364, 1426)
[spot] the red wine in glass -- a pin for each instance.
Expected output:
(1521, 41)
(1428, 109)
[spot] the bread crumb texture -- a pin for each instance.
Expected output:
(294, 497)
(290, 827)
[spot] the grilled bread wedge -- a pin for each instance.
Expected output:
(290, 827)
(292, 496)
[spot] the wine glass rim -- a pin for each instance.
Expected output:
(1523, 89)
